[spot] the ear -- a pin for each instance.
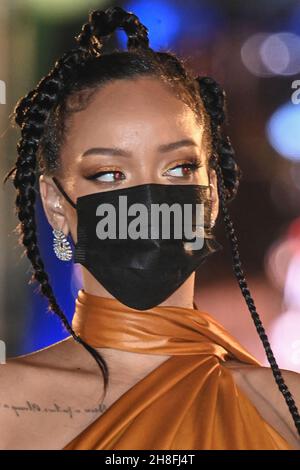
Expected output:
(51, 200)
(214, 196)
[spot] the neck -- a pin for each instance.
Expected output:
(126, 366)
(182, 297)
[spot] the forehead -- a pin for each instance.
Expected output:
(133, 111)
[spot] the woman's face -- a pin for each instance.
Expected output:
(133, 132)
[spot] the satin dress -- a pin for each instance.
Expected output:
(190, 401)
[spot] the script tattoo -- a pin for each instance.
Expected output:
(31, 407)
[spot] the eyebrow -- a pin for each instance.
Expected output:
(116, 151)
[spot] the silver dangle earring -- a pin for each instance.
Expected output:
(61, 246)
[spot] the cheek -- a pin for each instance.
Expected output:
(201, 176)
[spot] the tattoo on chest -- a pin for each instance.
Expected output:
(55, 408)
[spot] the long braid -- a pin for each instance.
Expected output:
(24, 182)
(31, 114)
(228, 177)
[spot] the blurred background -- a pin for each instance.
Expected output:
(253, 50)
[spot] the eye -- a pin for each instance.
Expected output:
(107, 176)
(185, 169)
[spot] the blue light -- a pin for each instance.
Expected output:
(160, 17)
(168, 21)
(201, 20)
(293, 22)
(283, 130)
(44, 328)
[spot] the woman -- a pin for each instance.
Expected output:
(136, 124)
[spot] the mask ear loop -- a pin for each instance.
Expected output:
(63, 192)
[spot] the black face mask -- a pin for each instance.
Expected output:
(143, 272)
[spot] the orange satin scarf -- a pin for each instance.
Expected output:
(190, 401)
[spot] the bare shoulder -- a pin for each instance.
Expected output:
(57, 357)
(16, 369)
(65, 356)
(40, 391)
(259, 384)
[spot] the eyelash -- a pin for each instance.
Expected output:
(194, 164)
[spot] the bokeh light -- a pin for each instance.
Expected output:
(285, 336)
(280, 53)
(162, 19)
(168, 21)
(59, 10)
(283, 131)
(283, 268)
(265, 54)
(251, 57)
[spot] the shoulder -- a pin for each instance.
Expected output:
(34, 383)
(63, 361)
(44, 361)
(260, 386)
(65, 355)
(262, 380)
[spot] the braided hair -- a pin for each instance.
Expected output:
(43, 114)
(228, 176)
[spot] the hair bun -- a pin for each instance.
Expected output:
(103, 23)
